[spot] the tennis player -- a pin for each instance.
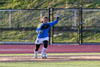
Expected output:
(43, 35)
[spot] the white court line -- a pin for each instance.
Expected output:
(16, 49)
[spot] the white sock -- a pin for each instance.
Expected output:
(36, 53)
(43, 51)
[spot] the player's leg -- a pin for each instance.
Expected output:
(45, 47)
(37, 46)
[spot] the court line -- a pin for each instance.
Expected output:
(16, 49)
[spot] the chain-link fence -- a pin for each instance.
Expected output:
(66, 30)
(74, 25)
(20, 25)
(91, 25)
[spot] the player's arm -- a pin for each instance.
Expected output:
(56, 21)
(38, 30)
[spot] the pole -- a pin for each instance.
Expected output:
(50, 29)
(10, 25)
(41, 15)
(75, 15)
(80, 31)
(81, 25)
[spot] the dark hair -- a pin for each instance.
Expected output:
(45, 17)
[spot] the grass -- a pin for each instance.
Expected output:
(52, 64)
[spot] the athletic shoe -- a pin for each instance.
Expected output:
(44, 56)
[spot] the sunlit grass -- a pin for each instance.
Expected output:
(52, 64)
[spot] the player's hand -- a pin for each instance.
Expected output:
(39, 32)
(58, 14)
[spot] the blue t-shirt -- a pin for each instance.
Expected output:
(45, 28)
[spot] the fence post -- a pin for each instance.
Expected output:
(52, 29)
(80, 31)
(51, 18)
(49, 21)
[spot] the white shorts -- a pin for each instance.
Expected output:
(40, 40)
